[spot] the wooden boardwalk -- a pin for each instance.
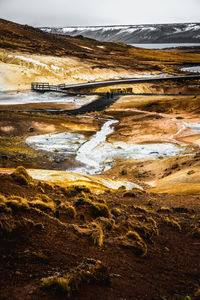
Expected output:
(46, 87)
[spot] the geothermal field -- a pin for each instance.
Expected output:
(99, 182)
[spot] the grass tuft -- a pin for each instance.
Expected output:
(196, 232)
(66, 211)
(17, 202)
(90, 271)
(133, 235)
(75, 190)
(7, 223)
(97, 235)
(43, 206)
(21, 176)
(140, 209)
(59, 284)
(116, 212)
(2, 199)
(45, 198)
(164, 209)
(97, 209)
(172, 223)
(138, 244)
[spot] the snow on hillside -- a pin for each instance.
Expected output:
(130, 34)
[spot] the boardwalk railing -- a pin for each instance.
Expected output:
(45, 86)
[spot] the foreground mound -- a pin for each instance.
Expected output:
(74, 242)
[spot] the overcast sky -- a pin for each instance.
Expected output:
(99, 12)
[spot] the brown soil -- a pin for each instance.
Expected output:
(169, 269)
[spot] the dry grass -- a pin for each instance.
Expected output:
(146, 231)
(7, 223)
(45, 186)
(137, 243)
(105, 223)
(164, 209)
(159, 55)
(172, 223)
(140, 209)
(75, 190)
(65, 211)
(43, 206)
(97, 235)
(196, 231)
(97, 209)
(59, 284)
(2, 199)
(90, 271)
(134, 235)
(16, 202)
(116, 212)
(21, 176)
(45, 198)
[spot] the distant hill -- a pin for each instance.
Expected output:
(15, 36)
(130, 34)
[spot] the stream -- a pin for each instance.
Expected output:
(97, 155)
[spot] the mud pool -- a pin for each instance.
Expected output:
(96, 154)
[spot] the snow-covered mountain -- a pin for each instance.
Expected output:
(130, 34)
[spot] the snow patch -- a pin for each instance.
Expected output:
(55, 68)
(191, 69)
(31, 60)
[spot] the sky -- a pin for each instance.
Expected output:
(99, 12)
